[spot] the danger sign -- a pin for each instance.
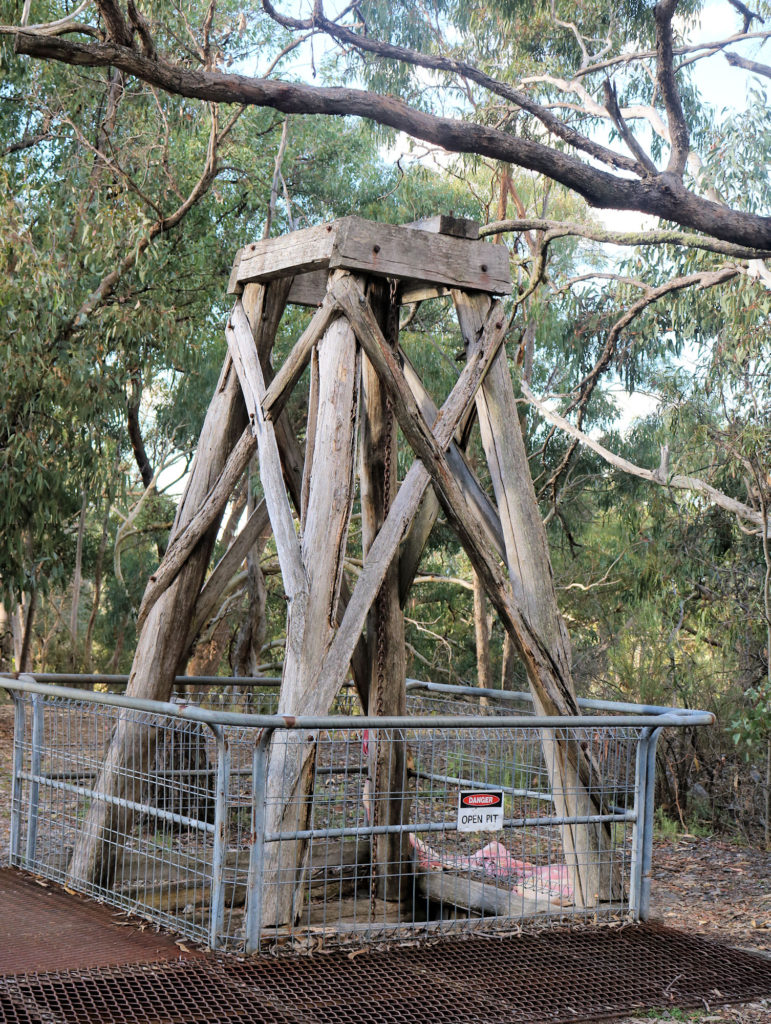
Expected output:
(480, 810)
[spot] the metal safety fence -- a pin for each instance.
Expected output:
(246, 830)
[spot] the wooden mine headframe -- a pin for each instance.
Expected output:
(362, 386)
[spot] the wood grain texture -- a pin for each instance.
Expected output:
(280, 388)
(211, 509)
(325, 531)
(226, 568)
(385, 624)
(308, 289)
(405, 505)
(467, 479)
(162, 644)
(295, 253)
(390, 251)
(446, 224)
(586, 847)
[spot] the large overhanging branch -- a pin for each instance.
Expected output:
(746, 513)
(737, 61)
(564, 229)
(439, 62)
(663, 195)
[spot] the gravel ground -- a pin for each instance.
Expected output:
(704, 885)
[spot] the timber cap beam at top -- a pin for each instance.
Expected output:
(422, 255)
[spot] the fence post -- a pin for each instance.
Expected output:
(257, 851)
(38, 706)
(650, 794)
(217, 909)
(639, 830)
(19, 730)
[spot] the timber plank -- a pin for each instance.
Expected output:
(446, 224)
(388, 250)
(295, 253)
(308, 289)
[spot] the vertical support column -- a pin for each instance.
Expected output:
(647, 851)
(255, 880)
(222, 786)
(19, 729)
(638, 832)
(38, 707)
(385, 623)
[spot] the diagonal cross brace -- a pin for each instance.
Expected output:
(244, 355)
(431, 452)
(408, 498)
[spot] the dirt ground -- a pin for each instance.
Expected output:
(706, 885)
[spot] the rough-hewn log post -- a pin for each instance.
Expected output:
(162, 644)
(312, 573)
(586, 847)
(385, 623)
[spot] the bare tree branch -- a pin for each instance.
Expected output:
(748, 15)
(749, 65)
(585, 389)
(115, 23)
(558, 229)
(645, 164)
(656, 476)
(436, 62)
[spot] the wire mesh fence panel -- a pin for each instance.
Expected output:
(473, 836)
(144, 827)
(469, 814)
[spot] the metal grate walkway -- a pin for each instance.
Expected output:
(553, 976)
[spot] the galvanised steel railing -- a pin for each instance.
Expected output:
(191, 829)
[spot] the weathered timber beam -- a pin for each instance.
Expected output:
(295, 253)
(244, 354)
(482, 897)
(475, 493)
(328, 511)
(405, 507)
(586, 848)
(309, 289)
(526, 545)
(414, 544)
(294, 470)
(280, 388)
(378, 484)
(446, 224)
(417, 255)
(209, 511)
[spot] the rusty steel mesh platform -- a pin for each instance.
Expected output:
(555, 976)
(46, 928)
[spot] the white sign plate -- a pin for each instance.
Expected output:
(480, 810)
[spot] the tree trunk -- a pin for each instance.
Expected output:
(586, 847)
(251, 634)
